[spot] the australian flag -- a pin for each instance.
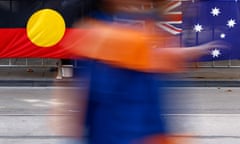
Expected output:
(170, 23)
(207, 20)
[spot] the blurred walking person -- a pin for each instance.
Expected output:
(124, 76)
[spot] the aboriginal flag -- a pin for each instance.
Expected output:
(37, 28)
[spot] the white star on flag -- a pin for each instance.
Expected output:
(198, 28)
(215, 11)
(215, 53)
(222, 35)
(231, 23)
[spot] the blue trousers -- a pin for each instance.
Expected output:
(123, 105)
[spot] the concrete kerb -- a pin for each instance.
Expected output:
(70, 83)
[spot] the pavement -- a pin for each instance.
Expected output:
(46, 76)
(200, 115)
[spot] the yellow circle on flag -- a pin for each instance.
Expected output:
(45, 28)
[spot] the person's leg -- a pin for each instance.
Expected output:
(59, 69)
(126, 106)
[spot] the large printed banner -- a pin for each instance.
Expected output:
(42, 29)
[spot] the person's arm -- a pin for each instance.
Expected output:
(127, 48)
(175, 59)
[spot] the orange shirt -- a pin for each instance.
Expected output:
(124, 47)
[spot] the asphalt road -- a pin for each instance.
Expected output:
(203, 115)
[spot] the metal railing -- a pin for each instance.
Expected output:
(28, 62)
(217, 64)
(45, 63)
